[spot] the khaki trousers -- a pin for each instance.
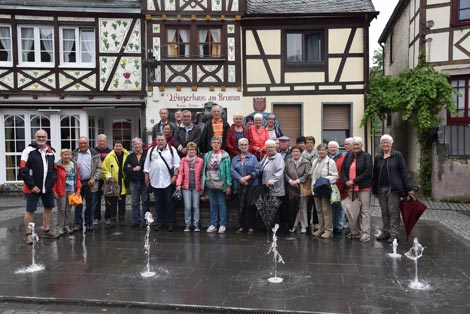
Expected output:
(325, 216)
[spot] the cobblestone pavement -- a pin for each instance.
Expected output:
(455, 216)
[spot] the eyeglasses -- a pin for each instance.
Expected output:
(83, 143)
(39, 136)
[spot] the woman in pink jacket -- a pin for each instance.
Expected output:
(190, 179)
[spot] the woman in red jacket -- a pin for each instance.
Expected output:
(190, 179)
(237, 131)
(68, 182)
(257, 137)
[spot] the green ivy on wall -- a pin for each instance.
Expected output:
(419, 94)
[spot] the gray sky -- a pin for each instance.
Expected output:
(385, 7)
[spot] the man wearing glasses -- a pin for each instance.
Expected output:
(38, 173)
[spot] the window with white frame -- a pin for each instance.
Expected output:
(5, 45)
(69, 131)
(304, 47)
(15, 143)
(36, 45)
(77, 46)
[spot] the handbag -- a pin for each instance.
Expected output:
(177, 195)
(111, 189)
(335, 194)
(305, 188)
(75, 199)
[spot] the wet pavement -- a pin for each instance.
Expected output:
(100, 272)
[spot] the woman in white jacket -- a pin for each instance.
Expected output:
(324, 167)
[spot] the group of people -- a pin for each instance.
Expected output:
(242, 161)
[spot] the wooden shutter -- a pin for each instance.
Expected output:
(289, 118)
(336, 117)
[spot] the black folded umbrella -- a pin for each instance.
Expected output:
(322, 188)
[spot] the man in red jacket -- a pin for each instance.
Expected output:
(38, 173)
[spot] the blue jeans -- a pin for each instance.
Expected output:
(191, 200)
(139, 194)
(218, 206)
(87, 198)
(338, 215)
(164, 199)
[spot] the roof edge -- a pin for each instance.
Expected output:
(391, 21)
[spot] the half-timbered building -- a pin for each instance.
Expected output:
(440, 28)
(72, 68)
(193, 56)
(307, 61)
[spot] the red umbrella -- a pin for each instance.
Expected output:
(411, 209)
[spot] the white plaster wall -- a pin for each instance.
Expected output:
(270, 41)
(440, 16)
(251, 47)
(437, 49)
(353, 70)
(337, 39)
(400, 46)
(449, 176)
(302, 77)
(358, 42)
(429, 2)
(256, 72)
(458, 54)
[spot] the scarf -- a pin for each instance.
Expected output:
(191, 161)
(334, 156)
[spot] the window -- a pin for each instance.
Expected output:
(122, 131)
(36, 45)
(15, 143)
(5, 45)
(194, 42)
(460, 12)
(461, 85)
(77, 46)
(209, 43)
(304, 47)
(463, 10)
(336, 123)
(178, 42)
(69, 131)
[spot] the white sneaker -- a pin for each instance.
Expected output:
(211, 229)
(222, 229)
(186, 229)
(364, 238)
(197, 229)
(303, 230)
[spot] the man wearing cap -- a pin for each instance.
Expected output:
(284, 148)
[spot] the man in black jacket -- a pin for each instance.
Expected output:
(38, 173)
(134, 170)
(216, 126)
(187, 132)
